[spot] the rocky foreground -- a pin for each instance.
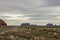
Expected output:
(32, 33)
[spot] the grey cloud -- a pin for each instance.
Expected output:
(5, 17)
(53, 2)
(42, 17)
(35, 9)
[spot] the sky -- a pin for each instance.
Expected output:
(15, 12)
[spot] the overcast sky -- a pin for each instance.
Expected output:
(15, 12)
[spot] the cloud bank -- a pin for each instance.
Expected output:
(32, 11)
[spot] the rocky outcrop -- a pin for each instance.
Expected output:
(2, 23)
(25, 24)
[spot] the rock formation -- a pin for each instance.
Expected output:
(2, 23)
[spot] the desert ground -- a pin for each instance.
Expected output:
(29, 33)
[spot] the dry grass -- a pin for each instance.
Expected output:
(32, 33)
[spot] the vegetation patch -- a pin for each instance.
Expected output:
(32, 33)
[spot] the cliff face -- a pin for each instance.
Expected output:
(2, 23)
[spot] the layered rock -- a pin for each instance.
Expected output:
(2, 23)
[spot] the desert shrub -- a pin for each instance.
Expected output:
(30, 33)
